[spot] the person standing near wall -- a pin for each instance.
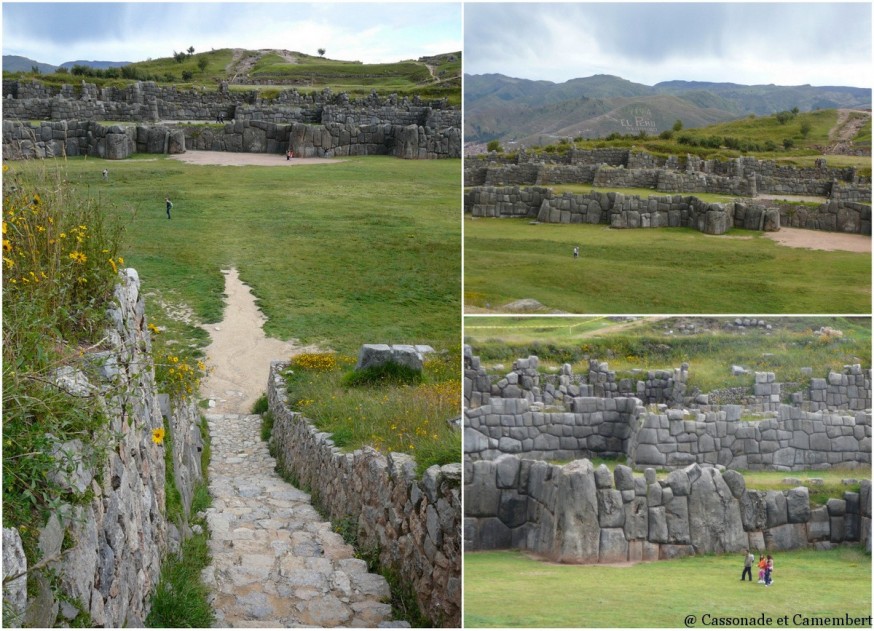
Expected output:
(748, 566)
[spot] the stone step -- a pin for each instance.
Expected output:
(275, 561)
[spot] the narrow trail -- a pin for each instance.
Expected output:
(275, 561)
(240, 353)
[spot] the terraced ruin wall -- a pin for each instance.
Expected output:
(769, 176)
(116, 142)
(577, 513)
(622, 211)
(146, 101)
(121, 534)
(535, 416)
(414, 522)
(632, 211)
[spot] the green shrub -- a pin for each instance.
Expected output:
(385, 374)
(261, 405)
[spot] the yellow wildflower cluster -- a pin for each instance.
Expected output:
(48, 244)
(178, 377)
(158, 436)
(315, 362)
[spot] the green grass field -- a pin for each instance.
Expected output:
(669, 270)
(364, 250)
(507, 589)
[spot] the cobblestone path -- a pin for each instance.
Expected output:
(275, 561)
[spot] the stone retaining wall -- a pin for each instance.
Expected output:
(413, 522)
(121, 535)
(116, 142)
(563, 416)
(632, 211)
(577, 513)
(792, 441)
(771, 177)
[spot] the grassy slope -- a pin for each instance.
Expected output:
(359, 251)
(506, 589)
(669, 270)
(786, 349)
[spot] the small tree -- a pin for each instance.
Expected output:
(35, 69)
(179, 57)
(187, 75)
(190, 51)
(322, 52)
(805, 128)
(788, 143)
(678, 125)
(202, 63)
(495, 145)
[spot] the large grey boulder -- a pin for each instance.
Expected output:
(677, 517)
(613, 546)
(577, 532)
(754, 511)
(374, 355)
(715, 524)
(798, 505)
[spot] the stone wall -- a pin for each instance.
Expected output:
(116, 142)
(564, 416)
(120, 535)
(413, 522)
(632, 211)
(325, 124)
(577, 513)
(765, 175)
(792, 441)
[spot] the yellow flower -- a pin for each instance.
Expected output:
(78, 257)
(9, 262)
(158, 436)
(152, 327)
(7, 245)
(114, 268)
(120, 261)
(4, 223)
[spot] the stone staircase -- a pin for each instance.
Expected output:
(275, 561)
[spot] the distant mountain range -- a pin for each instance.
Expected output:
(15, 63)
(535, 112)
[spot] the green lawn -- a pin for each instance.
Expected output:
(665, 270)
(361, 251)
(507, 589)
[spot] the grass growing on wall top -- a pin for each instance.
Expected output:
(647, 344)
(366, 249)
(507, 589)
(664, 270)
(391, 415)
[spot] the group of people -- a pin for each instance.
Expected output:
(766, 567)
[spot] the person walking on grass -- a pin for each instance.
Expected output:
(749, 559)
(169, 206)
(769, 568)
(576, 252)
(763, 563)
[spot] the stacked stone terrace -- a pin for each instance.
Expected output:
(320, 125)
(652, 420)
(518, 187)
(577, 513)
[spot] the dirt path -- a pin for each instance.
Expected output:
(239, 159)
(847, 126)
(240, 353)
(819, 240)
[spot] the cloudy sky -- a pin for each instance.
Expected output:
(369, 32)
(780, 43)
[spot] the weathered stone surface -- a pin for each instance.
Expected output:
(715, 524)
(613, 546)
(786, 537)
(577, 534)
(798, 505)
(15, 590)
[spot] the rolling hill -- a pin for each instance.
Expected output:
(534, 112)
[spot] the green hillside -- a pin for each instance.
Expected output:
(430, 78)
(796, 139)
(522, 110)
